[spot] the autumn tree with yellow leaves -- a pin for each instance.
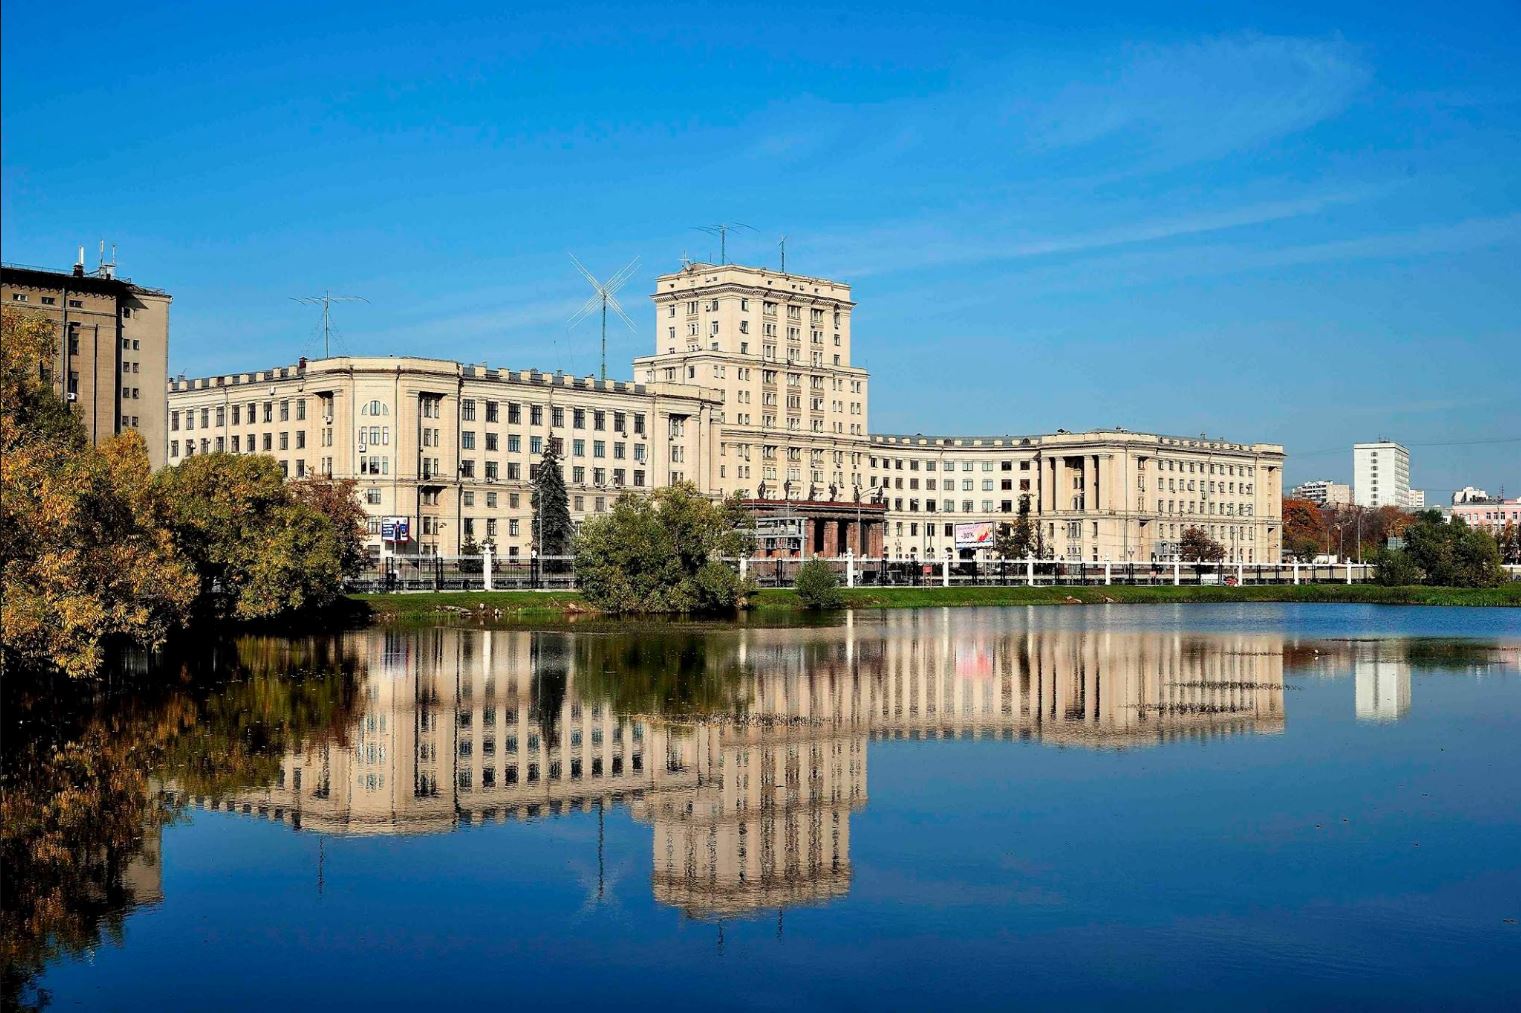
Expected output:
(81, 559)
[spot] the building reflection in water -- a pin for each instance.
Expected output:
(749, 761)
(1383, 688)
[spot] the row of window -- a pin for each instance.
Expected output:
(52, 300)
(219, 413)
(579, 417)
(949, 484)
(235, 444)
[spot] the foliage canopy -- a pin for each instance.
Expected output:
(81, 561)
(663, 553)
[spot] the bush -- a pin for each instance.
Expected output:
(817, 585)
(663, 553)
(1397, 569)
(1451, 554)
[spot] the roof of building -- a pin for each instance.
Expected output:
(465, 370)
(920, 440)
(43, 277)
(696, 267)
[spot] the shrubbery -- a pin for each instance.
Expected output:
(818, 586)
(1445, 553)
(663, 553)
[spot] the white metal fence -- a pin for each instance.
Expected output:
(489, 572)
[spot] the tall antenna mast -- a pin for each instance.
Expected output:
(722, 230)
(326, 300)
(603, 296)
(782, 243)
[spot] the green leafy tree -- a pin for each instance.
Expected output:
(552, 529)
(818, 586)
(1451, 554)
(82, 562)
(1396, 568)
(1197, 547)
(663, 553)
(258, 550)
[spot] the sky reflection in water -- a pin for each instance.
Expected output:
(1166, 806)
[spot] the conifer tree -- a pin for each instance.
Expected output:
(552, 529)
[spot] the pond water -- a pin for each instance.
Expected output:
(1156, 805)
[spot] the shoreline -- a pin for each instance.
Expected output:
(438, 605)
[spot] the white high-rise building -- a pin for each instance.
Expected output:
(1380, 474)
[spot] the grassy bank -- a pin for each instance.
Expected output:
(535, 604)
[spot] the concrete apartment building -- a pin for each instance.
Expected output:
(1324, 492)
(1381, 474)
(112, 353)
(751, 390)
(451, 446)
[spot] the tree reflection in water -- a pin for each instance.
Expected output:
(81, 810)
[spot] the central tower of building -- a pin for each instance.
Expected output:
(792, 425)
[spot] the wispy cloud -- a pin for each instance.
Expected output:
(1180, 103)
(1141, 108)
(973, 238)
(1132, 268)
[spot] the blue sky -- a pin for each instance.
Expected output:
(1288, 222)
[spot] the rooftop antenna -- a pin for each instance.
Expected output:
(722, 230)
(326, 300)
(782, 243)
(603, 295)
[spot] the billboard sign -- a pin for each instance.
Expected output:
(779, 527)
(396, 529)
(974, 535)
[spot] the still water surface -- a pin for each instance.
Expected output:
(1164, 806)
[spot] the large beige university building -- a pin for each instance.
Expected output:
(750, 389)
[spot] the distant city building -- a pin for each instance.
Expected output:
(1468, 494)
(111, 359)
(750, 391)
(1415, 499)
(1380, 474)
(1324, 492)
(1492, 515)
